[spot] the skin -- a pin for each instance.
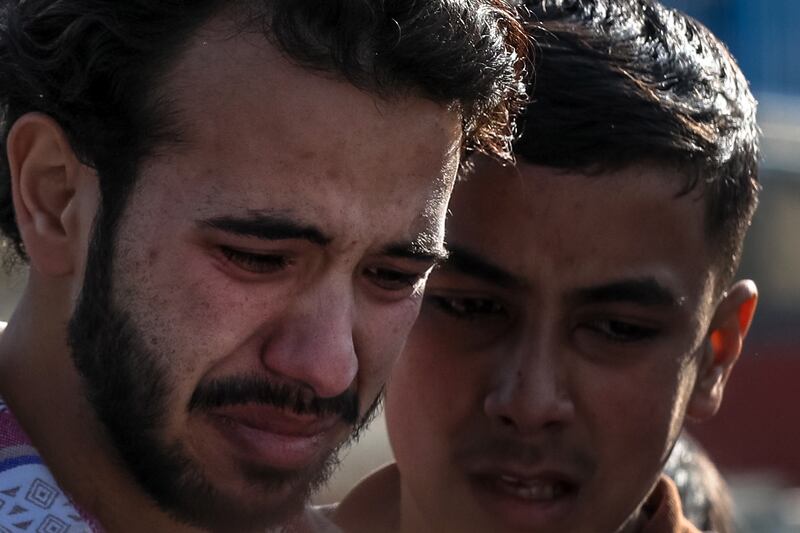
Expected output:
(286, 243)
(562, 346)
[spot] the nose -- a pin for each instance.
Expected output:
(529, 391)
(313, 346)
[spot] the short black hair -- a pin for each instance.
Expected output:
(96, 66)
(621, 82)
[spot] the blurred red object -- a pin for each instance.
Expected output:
(758, 426)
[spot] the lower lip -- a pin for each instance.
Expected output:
(277, 450)
(522, 513)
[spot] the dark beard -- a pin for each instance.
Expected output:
(129, 390)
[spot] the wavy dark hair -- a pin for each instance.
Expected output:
(619, 82)
(95, 66)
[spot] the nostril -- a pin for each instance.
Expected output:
(507, 421)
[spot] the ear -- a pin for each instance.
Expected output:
(46, 179)
(723, 345)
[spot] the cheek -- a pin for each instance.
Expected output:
(414, 424)
(429, 395)
(632, 416)
(189, 316)
(434, 399)
(379, 339)
(628, 428)
(638, 427)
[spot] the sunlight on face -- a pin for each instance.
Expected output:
(265, 276)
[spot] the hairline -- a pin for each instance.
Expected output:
(723, 265)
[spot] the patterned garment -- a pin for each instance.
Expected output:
(30, 499)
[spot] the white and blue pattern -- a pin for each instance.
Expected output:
(30, 500)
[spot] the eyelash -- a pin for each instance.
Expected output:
(393, 280)
(385, 278)
(631, 332)
(467, 308)
(256, 263)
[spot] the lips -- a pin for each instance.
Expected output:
(542, 486)
(534, 490)
(275, 437)
(524, 497)
(275, 420)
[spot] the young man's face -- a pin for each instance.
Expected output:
(557, 352)
(265, 275)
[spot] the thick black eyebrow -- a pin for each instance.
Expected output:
(473, 264)
(416, 251)
(642, 291)
(268, 227)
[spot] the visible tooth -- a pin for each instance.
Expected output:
(533, 491)
(539, 492)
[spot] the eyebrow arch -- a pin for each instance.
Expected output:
(267, 227)
(475, 265)
(643, 291)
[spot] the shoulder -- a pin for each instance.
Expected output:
(373, 505)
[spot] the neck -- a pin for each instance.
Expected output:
(411, 519)
(373, 506)
(41, 386)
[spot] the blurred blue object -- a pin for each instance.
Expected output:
(761, 34)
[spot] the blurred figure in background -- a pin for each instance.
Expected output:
(588, 305)
(704, 494)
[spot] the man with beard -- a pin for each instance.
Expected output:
(587, 307)
(229, 210)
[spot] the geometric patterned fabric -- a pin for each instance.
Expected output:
(32, 502)
(30, 499)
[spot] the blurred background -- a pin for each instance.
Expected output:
(755, 439)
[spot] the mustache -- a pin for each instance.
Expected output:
(243, 390)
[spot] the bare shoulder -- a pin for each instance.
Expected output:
(373, 505)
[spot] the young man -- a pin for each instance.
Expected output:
(587, 307)
(229, 210)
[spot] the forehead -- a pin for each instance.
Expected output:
(253, 123)
(558, 230)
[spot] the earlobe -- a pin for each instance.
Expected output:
(726, 335)
(45, 176)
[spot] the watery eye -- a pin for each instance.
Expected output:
(467, 308)
(393, 280)
(253, 262)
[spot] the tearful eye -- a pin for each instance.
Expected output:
(393, 280)
(255, 262)
(623, 331)
(467, 308)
